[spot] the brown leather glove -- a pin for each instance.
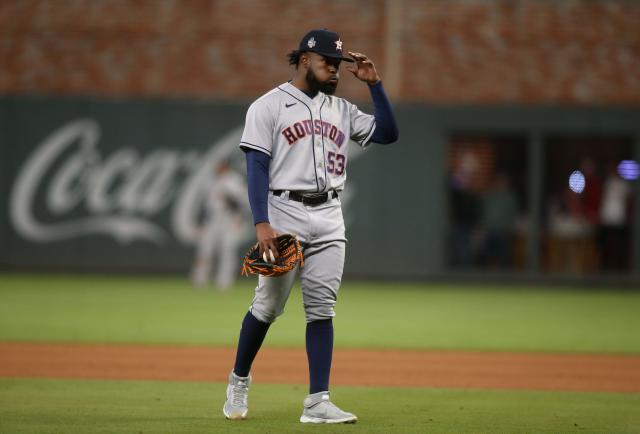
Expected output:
(290, 255)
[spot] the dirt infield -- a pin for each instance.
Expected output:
(450, 369)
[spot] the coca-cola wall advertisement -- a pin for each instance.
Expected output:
(109, 185)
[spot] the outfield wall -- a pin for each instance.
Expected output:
(120, 185)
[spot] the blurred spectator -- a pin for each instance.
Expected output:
(573, 221)
(464, 212)
(499, 214)
(592, 193)
(223, 230)
(613, 232)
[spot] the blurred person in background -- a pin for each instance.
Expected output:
(464, 211)
(499, 215)
(590, 204)
(573, 222)
(613, 231)
(592, 193)
(223, 230)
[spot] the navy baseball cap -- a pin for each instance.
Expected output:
(325, 43)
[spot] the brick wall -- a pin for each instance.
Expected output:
(456, 51)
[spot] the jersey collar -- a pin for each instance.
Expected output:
(300, 94)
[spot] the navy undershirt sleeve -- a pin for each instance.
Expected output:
(386, 129)
(258, 184)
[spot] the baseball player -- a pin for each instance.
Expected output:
(295, 141)
(223, 230)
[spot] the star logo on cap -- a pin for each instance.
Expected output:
(311, 43)
(338, 45)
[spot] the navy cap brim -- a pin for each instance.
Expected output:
(332, 55)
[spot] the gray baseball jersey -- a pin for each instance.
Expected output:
(306, 138)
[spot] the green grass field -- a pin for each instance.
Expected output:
(369, 315)
(51, 308)
(70, 407)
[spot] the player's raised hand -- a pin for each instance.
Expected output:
(267, 242)
(363, 68)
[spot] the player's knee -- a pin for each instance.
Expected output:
(266, 314)
(319, 312)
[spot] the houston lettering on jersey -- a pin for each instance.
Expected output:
(308, 127)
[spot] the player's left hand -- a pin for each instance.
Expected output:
(363, 68)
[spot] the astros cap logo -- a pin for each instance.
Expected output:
(324, 42)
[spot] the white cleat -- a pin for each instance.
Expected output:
(318, 409)
(236, 407)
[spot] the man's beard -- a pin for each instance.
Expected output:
(316, 86)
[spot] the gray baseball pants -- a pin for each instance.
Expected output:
(321, 232)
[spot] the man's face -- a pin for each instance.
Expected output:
(322, 73)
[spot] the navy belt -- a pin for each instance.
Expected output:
(316, 199)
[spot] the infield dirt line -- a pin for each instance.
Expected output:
(392, 368)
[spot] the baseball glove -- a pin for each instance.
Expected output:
(290, 256)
